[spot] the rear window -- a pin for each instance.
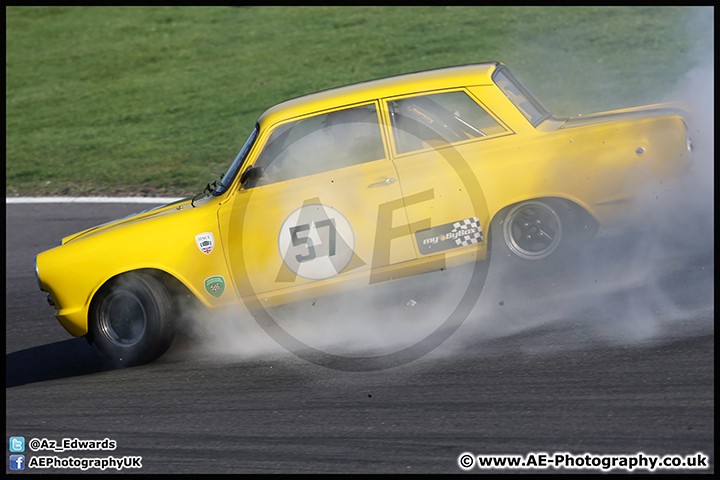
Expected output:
(528, 105)
(439, 119)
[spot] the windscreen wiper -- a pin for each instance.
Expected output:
(212, 185)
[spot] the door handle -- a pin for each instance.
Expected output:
(387, 181)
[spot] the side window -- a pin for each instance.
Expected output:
(439, 119)
(321, 143)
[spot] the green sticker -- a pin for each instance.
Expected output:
(215, 286)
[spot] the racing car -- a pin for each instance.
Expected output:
(364, 184)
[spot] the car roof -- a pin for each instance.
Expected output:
(465, 75)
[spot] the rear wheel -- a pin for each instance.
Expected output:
(538, 229)
(131, 319)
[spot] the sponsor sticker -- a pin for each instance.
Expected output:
(215, 285)
(205, 242)
(451, 235)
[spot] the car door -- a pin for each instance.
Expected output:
(327, 212)
(434, 139)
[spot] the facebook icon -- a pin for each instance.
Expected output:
(17, 462)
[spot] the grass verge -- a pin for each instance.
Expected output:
(158, 100)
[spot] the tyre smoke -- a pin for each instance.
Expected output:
(646, 282)
(649, 281)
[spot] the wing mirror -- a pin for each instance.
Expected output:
(252, 173)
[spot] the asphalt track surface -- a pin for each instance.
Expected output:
(620, 371)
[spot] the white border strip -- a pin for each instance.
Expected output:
(154, 200)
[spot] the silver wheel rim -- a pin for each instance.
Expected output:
(532, 230)
(123, 319)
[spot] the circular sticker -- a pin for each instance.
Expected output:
(316, 242)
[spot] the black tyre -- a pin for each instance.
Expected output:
(131, 319)
(535, 230)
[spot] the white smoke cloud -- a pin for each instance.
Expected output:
(644, 282)
(620, 291)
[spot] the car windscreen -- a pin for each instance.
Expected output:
(235, 167)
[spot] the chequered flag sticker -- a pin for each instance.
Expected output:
(472, 227)
(450, 235)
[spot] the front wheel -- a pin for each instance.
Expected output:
(537, 229)
(131, 319)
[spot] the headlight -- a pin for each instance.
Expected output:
(37, 275)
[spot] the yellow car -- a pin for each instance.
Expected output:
(359, 185)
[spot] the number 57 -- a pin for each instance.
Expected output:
(307, 241)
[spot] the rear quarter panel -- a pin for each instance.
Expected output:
(596, 166)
